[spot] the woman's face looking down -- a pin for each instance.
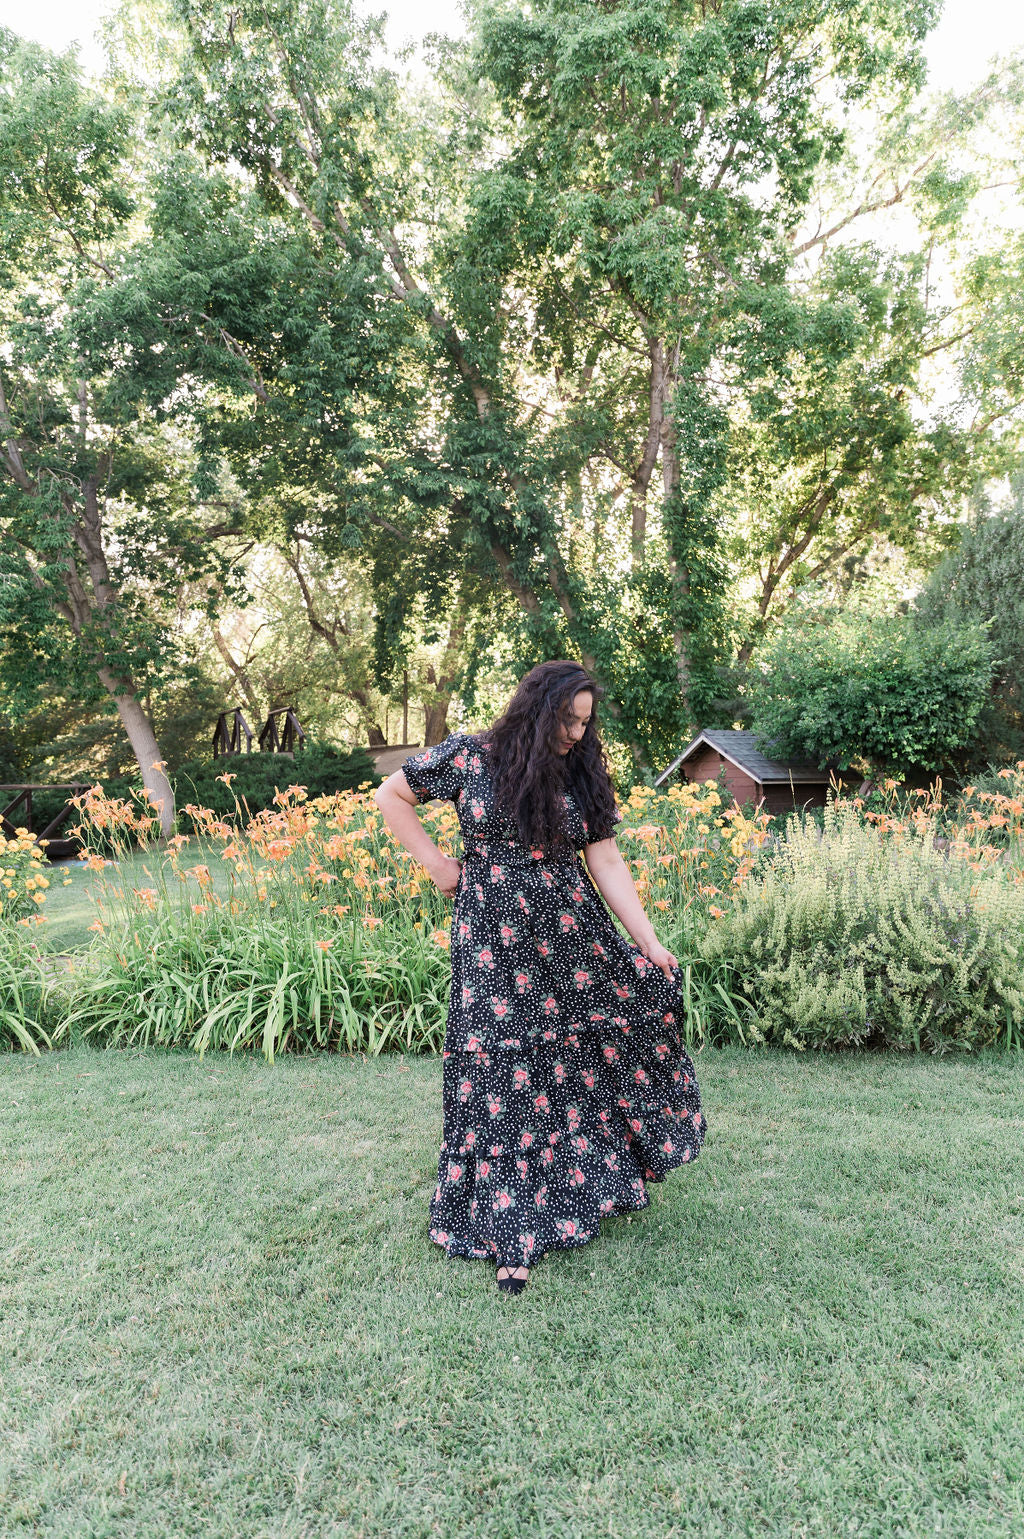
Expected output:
(574, 721)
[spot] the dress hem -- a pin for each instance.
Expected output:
(463, 1249)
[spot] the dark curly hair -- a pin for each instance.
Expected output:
(528, 773)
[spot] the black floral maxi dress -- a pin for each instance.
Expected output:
(567, 1085)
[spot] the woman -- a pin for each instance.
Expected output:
(566, 1081)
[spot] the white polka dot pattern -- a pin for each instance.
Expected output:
(567, 1085)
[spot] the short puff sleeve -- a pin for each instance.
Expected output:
(591, 835)
(438, 773)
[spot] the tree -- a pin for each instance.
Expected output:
(564, 274)
(878, 691)
(100, 522)
(983, 580)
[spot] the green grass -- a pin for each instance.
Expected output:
(70, 911)
(221, 1314)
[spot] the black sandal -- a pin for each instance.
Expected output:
(513, 1284)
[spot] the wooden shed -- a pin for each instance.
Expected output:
(750, 775)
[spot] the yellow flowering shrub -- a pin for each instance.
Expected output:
(23, 879)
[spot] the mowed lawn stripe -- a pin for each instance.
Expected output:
(221, 1314)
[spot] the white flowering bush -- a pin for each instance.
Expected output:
(856, 932)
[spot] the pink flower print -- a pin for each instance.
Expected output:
(500, 1007)
(463, 929)
(607, 1206)
(612, 1161)
(470, 1138)
(620, 989)
(638, 1186)
(459, 760)
(473, 1044)
(522, 982)
(527, 1241)
(573, 1118)
(467, 995)
(483, 1169)
(551, 1005)
(668, 1147)
(507, 934)
(602, 1116)
(485, 958)
(465, 1090)
(599, 950)
(567, 1228)
(477, 809)
(581, 1143)
(540, 1197)
(497, 1149)
(676, 1075)
(576, 1177)
(543, 948)
(497, 874)
(494, 1105)
(554, 1136)
(641, 1077)
(546, 877)
(636, 1124)
(475, 764)
(686, 1081)
(662, 1049)
(641, 963)
(521, 1079)
(502, 1201)
(521, 1166)
(559, 1072)
(541, 1103)
(624, 1103)
(479, 891)
(547, 1036)
(588, 1078)
(582, 978)
(547, 1156)
(686, 1155)
(454, 1171)
(537, 854)
(525, 1140)
(609, 1053)
(437, 1192)
(577, 894)
(697, 1119)
(523, 904)
(568, 922)
(473, 1207)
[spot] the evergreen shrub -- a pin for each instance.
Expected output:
(257, 777)
(850, 935)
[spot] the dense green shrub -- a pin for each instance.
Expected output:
(849, 935)
(842, 687)
(321, 768)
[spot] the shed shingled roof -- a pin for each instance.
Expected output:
(741, 748)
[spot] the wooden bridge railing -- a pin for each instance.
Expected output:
(23, 797)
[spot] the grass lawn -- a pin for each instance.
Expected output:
(221, 1315)
(69, 911)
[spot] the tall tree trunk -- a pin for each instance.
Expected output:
(139, 731)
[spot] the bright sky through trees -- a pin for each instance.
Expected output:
(970, 32)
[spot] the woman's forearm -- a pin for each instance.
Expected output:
(404, 822)
(616, 885)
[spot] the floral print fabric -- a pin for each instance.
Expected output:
(567, 1085)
